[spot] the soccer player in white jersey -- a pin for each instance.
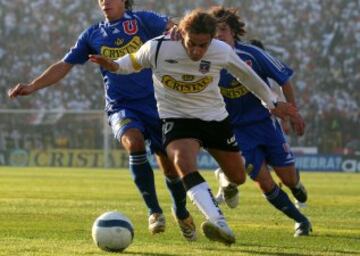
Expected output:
(186, 75)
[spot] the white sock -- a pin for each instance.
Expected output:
(202, 197)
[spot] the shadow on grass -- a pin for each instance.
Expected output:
(258, 251)
(336, 236)
(149, 253)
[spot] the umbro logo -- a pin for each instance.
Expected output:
(171, 61)
(232, 141)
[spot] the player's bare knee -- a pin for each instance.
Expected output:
(133, 143)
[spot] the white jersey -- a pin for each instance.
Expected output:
(189, 89)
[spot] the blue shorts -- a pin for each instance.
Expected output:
(148, 123)
(263, 142)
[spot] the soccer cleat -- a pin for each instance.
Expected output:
(299, 205)
(218, 231)
(156, 223)
(219, 198)
(187, 227)
(227, 191)
(302, 229)
(300, 193)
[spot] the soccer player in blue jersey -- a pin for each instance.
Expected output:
(258, 133)
(130, 102)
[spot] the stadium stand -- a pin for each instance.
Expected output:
(319, 39)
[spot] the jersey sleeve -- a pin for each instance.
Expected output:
(135, 62)
(273, 68)
(249, 78)
(153, 23)
(143, 55)
(79, 53)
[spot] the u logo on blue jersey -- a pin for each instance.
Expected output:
(130, 27)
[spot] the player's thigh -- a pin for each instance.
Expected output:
(183, 154)
(287, 175)
(232, 164)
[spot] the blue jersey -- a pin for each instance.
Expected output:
(243, 106)
(114, 40)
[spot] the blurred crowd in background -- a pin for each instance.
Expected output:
(319, 39)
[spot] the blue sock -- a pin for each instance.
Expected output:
(280, 200)
(143, 177)
(178, 195)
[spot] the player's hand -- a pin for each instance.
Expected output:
(284, 111)
(104, 62)
(298, 124)
(285, 125)
(287, 112)
(174, 33)
(20, 90)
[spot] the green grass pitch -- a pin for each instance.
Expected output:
(50, 211)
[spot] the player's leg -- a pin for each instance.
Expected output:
(178, 195)
(280, 157)
(230, 174)
(133, 142)
(222, 145)
(129, 131)
(279, 199)
(172, 179)
(183, 151)
(290, 177)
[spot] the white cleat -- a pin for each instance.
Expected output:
(156, 223)
(218, 231)
(228, 191)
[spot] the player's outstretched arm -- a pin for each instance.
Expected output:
(20, 89)
(49, 77)
(104, 62)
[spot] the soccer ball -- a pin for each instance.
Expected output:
(112, 231)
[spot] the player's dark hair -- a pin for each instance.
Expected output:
(230, 17)
(198, 22)
(257, 43)
(129, 4)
